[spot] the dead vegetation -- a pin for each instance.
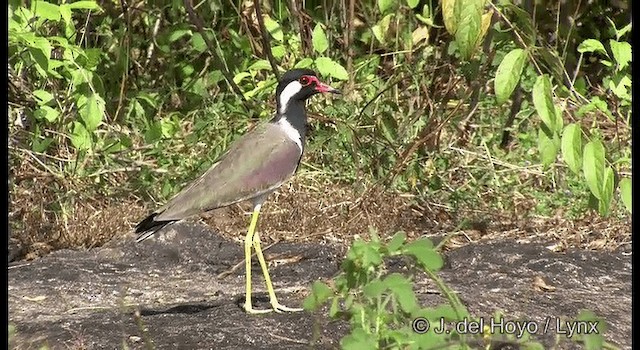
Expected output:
(48, 213)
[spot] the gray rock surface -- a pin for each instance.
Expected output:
(166, 292)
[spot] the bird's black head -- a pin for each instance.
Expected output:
(297, 85)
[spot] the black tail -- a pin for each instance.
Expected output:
(147, 227)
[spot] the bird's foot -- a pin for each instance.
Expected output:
(275, 306)
(250, 310)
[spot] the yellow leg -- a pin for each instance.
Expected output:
(248, 243)
(253, 239)
(277, 307)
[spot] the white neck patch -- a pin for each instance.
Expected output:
(287, 93)
(290, 131)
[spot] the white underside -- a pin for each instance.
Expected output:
(290, 131)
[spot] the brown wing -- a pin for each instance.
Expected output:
(254, 165)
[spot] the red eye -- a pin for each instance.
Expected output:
(304, 81)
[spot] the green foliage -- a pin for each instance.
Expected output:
(101, 93)
(380, 305)
(586, 335)
(31, 48)
(553, 136)
(508, 74)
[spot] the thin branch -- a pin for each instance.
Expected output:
(266, 46)
(348, 37)
(127, 45)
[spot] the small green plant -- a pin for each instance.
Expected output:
(588, 329)
(382, 307)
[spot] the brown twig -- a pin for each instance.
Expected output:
(515, 108)
(266, 47)
(348, 37)
(127, 45)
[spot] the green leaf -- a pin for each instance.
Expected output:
(168, 127)
(44, 97)
(85, 5)
(198, 43)
(403, 290)
(508, 74)
(94, 57)
(238, 77)
(320, 293)
(625, 193)
(607, 191)
(91, 111)
(46, 112)
(621, 53)
(469, 27)
(413, 3)
(548, 146)
(484, 26)
(422, 250)
(593, 167)
(622, 31)
(381, 28)
(595, 103)
(388, 126)
(328, 67)
(450, 15)
(153, 133)
(571, 147)
(65, 13)
(273, 28)
(278, 51)
(621, 86)
(41, 146)
(40, 49)
(396, 242)
(385, 5)
(559, 119)
(259, 65)
(335, 308)
(304, 63)
(543, 101)
(46, 10)
(374, 288)
(592, 340)
(358, 339)
(592, 45)
(179, 33)
(80, 137)
(319, 39)
(371, 257)
(419, 245)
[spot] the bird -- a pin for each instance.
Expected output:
(253, 167)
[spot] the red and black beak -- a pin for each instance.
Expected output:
(322, 87)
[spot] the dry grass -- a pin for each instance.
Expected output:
(311, 208)
(49, 213)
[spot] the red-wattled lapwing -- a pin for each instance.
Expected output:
(254, 167)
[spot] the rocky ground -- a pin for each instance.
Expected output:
(180, 291)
